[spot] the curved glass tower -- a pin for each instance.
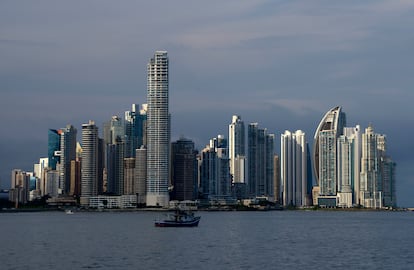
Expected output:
(330, 127)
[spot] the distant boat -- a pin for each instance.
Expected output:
(179, 218)
(69, 212)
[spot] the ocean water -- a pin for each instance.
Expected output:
(223, 240)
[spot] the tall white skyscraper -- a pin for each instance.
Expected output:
(324, 156)
(158, 131)
(89, 166)
(327, 163)
(333, 121)
(371, 189)
(349, 164)
(237, 152)
(293, 166)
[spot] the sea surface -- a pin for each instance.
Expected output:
(223, 240)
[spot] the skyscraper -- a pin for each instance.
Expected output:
(276, 179)
(75, 177)
(53, 146)
(237, 152)
(39, 172)
(68, 153)
(115, 154)
(89, 165)
(371, 184)
(129, 176)
(334, 120)
(183, 170)
(140, 175)
(293, 159)
(325, 155)
(158, 131)
(260, 161)
(214, 170)
(388, 178)
(349, 160)
(19, 187)
(327, 163)
(135, 121)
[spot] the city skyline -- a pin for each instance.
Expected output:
(354, 170)
(357, 55)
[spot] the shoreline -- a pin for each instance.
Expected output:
(33, 210)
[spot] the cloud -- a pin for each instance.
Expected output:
(299, 107)
(280, 63)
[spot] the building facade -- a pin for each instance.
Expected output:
(129, 176)
(68, 153)
(214, 171)
(349, 164)
(183, 170)
(53, 150)
(371, 179)
(237, 150)
(324, 155)
(158, 131)
(19, 187)
(90, 162)
(140, 185)
(293, 160)
(260, 161)
(135, 122)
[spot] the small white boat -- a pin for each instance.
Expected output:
(69, 212)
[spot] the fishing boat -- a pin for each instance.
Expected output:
(180, 218)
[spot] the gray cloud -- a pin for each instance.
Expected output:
(280, 63)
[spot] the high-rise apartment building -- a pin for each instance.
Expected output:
(349, 160)
(293, 160)
(52, 182)
(90, 162)
(61, 151)
(183, 170)
(371, 182)
(19, 187)
(75, 177)
(115, 146)
(335, 120)
(141, 175)
(237, 152)
(345, 169)
(388, 178)
(53, 148)
(158, 131)
(327, 163)
(135, 121)
(68, 153)
(129, 176)
(39, 172)
(325, 155)
(260, 161)
(214, 170)
(277, 185)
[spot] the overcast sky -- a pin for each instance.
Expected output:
(282, 64)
